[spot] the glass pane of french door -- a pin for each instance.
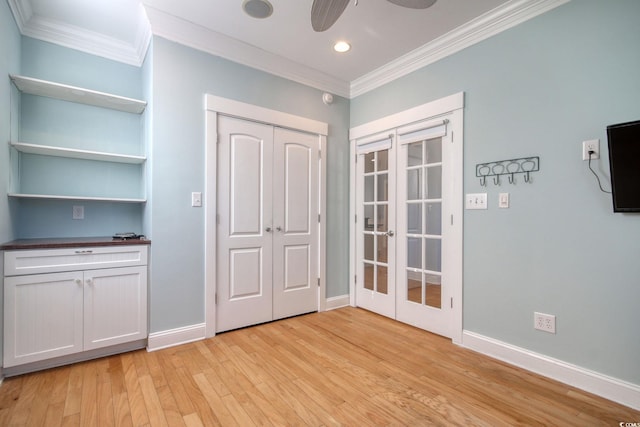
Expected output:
(375, 226)
(424, 222)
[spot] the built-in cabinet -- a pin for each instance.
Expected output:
(70, 301)
(58, 162)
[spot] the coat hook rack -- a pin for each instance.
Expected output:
(510, 168)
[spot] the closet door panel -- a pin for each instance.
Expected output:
(295, 240)
(245, 237)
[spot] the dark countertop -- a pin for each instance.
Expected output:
(70, 242)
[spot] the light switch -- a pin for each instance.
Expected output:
(476, 201)
(196, 199)
(503, 200)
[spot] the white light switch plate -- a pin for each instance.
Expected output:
(503, 200)
(476, 201)
(196, 199)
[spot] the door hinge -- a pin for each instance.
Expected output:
(318, 282)
(451, 219)
(355, 279)
(319, 154)
(218, 219)
(318, 217)
(216, 298)
(452, 137)
(451, 302)
(356, 218)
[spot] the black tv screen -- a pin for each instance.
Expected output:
(624, 163)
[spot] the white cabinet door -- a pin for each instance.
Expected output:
(115, 306)
(43, 317)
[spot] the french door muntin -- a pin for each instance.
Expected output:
(375, 288)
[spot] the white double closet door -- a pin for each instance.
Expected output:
(268, 231)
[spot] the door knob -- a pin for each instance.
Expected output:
(390, 233)
(278, 228)
(268, 229)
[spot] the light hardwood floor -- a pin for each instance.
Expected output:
(343, 367)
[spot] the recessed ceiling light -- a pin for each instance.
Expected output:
(257, 8)
(341, 47)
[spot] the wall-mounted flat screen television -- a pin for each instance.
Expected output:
(624, 163)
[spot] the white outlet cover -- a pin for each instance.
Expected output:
(591, 145)
(78, 212)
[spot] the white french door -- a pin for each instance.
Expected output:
(426, 245)
(375, 192)
(267, 227)
(408, 223)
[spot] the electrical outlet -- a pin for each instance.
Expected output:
(591, 145)
(78, 212)
(544, 322)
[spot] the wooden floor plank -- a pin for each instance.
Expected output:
(343, 367)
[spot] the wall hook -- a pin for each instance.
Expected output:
(483, 181)
(496, 180)
(512, 179)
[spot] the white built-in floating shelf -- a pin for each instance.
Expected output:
(46, 150)
(91, 199)
(76, 94)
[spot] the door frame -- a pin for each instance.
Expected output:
(214, 106)
(452, 104)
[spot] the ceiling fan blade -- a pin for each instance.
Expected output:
(414, 4)
(325, 13)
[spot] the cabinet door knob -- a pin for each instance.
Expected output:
(279, 228)
(78, 282)
(268, 229)
(89, 282)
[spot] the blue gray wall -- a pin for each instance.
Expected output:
(54, 122)
(540, 89)
(181, 78)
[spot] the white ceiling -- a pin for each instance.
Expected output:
(387, 40)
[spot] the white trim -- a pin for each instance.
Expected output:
(177, 336)
(255, 113)
(322, 232)
(491, 23)
(619, 391)
(66, 35)
(210, 220)
(337, 302)
(412, 115)
(189, 34)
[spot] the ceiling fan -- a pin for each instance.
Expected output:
(325, 13)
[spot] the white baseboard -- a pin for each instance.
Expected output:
(337, 302)
(619, 391)
(173, 337)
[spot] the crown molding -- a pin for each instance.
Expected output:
(508, 15)
(80, 39)
(197, 37)
(491, 23)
